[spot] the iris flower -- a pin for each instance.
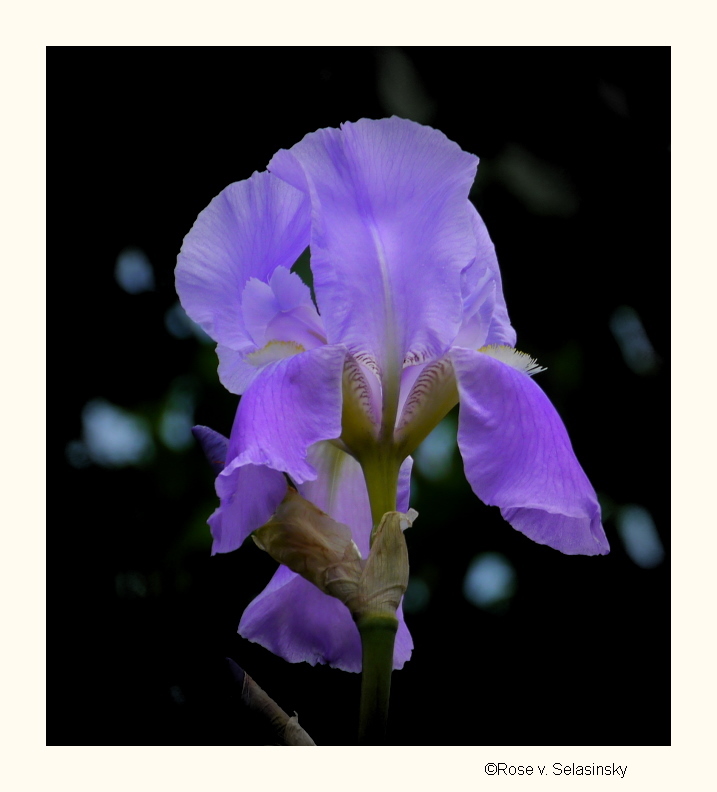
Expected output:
(408, 320)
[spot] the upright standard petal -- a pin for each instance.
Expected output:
(517, 456)
(485, 316)
(292, 404)
(391, 234)
(294, 619)
(249, 229)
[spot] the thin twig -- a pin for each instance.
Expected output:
(285, 728)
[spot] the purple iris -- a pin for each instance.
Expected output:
(411, 320)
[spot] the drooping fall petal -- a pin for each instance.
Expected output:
(296, 621)
(248, 496)
(517, 456)
(292, 404)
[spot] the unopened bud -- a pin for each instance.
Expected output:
(385, 575)
(308, 541)
(312, 544)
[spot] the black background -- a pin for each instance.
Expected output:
(139, 615)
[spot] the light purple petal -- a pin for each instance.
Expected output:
(291, 617)
(296, 621)
(517, 456)
(249, 229)
(391, 233)
(408, 380)
(248, 496)
(291, 404)
(235, 373)
(281, 310)
(290, 292)
(404, 485)
(340, 490)
(214, 446)
(403, 648)
(485, 316)
(478, 309)
(500, 331)
(258, 309)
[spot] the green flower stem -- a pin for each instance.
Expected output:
(378, 633)
(377, 630)
(381, 474)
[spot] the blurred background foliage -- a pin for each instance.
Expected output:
(515, 643)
